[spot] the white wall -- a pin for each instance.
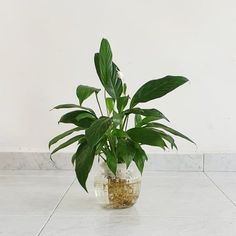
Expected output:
(47, 47)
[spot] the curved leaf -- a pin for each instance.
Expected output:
(122, 102)
(146, 112)
(125, 151)
(111, 162)
(83, 92)
(67, 143)
(63, 106)
(168, 138)
(63, 135)
(140, 157)
(170, 130)
(107, 70)
(146, 136)
(80, 118)
(83, 160)
(109, 104)
(157, 88)
(97, 130)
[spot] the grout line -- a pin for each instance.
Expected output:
(212, 181)
(53, 211)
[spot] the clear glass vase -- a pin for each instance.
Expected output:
(120, 191)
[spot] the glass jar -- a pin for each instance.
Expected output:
(120, 191)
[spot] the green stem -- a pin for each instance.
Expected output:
(123, 125)
(127, 121)
(98, 103)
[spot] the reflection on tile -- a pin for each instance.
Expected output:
(135, 225)
(220, 162)
(164, 194)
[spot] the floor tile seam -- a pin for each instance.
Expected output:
(53, 211)
(223, 193)
(156, 216)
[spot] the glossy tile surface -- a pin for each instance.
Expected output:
(51, 203)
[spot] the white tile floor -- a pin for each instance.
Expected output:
(51, 203)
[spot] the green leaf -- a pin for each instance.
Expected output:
(63, 106)
(112, 162)
(125, 151)
(97, 130)
(137, 120)
(80, 118)
(107, 70)
(147, 136)
(63, 135)
(116, 119)
(170, 130)
(119, 133)
(83, 92)
(146, 112)
(124, 88)
(140, 157)
(67, 143)
(83, 160)
(96, 62)
(168, 138)
(157, 88)
(148, 119)
(109, 104)
(122, 102)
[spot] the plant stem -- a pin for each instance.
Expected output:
(127, 121)
(98, 103)
(126, 117)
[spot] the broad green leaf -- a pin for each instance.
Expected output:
(83, 160)
(67, 143)
(119, 133)
(63, 135)
(116, 119)
(146, 112)
(140, 157)
(97, 130)
(112, 162)
(96, 62)
(157, 88)
(137, 120)
(83, 92)
(125, 150)
(63, 106)
(170, 130)
(168, 138)
(107, 70)
(80, 118)
(146, 136)
(122, 102)
(109, 104)
(148, 119)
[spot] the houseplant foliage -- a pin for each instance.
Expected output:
(106, 135)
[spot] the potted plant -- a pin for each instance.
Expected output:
(109, 138)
